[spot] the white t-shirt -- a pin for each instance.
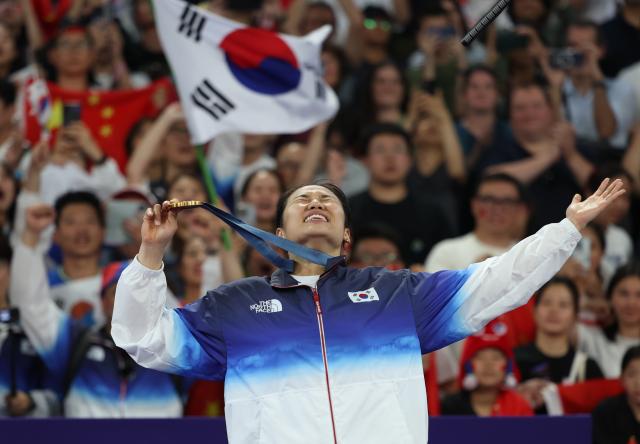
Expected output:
(309, 281)
(618, 251)
(608, 354)
(460, 252)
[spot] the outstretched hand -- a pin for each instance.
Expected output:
(582, 212)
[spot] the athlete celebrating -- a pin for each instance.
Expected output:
(328, 354)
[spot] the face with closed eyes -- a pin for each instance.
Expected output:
(314, 216)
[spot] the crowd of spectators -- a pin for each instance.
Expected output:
(449, 155)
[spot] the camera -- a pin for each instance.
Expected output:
(565, 59)
(507, 41)
(9, 316)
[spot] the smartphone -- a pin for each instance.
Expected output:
(71, 113)
(566, 58)
(8, 316)
(508, 41)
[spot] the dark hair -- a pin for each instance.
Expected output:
(282, 202)
(11, 211)
(133, 133)
(610, 170)
(79, 197)
(632, 269)
(7, 92)
(366, 98)
(631, 354)
(187, 175)
(376, 12)
(547, 5)
(377, 129)
(376, 230)
(599, 232)
(250, 177)
(582, 23)
(560, 280)
(529, 85)
(6, 252)
(523, 194)
(472, 70)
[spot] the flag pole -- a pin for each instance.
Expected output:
(211, 189)
(204, 170)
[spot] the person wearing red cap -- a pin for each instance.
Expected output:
(488, 376)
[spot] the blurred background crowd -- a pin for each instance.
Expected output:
(449, 155)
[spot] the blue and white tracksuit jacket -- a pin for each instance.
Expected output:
(105, 385)
(338, 363)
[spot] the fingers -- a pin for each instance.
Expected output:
(576, 199)
(157, 215)
(613, 189)
(602, 187)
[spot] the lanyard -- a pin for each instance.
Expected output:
(260, 239)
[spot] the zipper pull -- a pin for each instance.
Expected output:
(316, 299)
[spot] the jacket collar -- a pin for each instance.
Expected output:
(282, 279)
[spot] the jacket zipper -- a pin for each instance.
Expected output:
(316, 299)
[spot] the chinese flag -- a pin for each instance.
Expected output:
(50, 13)
(109, 115)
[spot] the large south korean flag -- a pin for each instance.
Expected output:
(233, 78)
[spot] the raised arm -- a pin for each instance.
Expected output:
(451, 305)
(155, 336)
(47, 327)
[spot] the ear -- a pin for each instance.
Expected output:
(280, 233)
(347, 236)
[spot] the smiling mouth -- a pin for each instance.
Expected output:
(315, 218)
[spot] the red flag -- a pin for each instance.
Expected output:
(50, 14)
(109, 115)
(583, 397)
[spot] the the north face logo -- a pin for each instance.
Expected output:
(270, 306)
(364, 296)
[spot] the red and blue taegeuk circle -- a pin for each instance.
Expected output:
(261, 61)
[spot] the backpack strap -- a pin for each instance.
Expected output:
(80, 347)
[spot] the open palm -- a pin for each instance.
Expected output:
(582, 212)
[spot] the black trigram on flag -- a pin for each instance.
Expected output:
(191, 23)
(210, 100)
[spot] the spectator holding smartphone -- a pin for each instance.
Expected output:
(600, 109)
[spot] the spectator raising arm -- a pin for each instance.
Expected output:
(46, 326)
(138, 166)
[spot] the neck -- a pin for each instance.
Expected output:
(192, 293)
(388, 193)
(483, 399)
(73, 82)
(526, 139)
(552, 345)
(375, 54)
(500, 240)
(429, 157)
(582, 83)
(306, 268)
(80, 267)
(173, 170)
(486, 116)
(632, 15)
(389, 115)
(629, 330)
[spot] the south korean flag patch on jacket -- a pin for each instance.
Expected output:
(368, 295)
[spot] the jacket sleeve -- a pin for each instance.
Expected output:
(186, 341)
(451, 305)
(49, 329)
